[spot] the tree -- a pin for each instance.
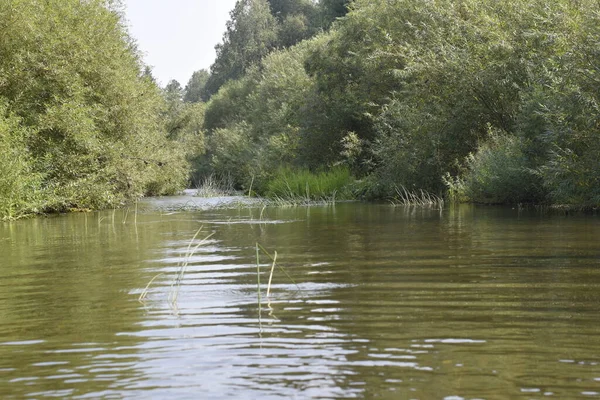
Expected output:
(497, 101)
(72, 86)
(332, 9)
(297, 20)
(174, 91)
(195, 90)
(251, 34)
(282, 8)
(147, 74)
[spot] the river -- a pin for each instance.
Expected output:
(367, 301)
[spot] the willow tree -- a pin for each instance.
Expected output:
(85, 115)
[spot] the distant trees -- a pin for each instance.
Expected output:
(297, 20)
(494, 102)
(195, 90)
(251, 34)
(258, 27)
(330, 10)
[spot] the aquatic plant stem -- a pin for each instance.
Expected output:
(251, 183)
(280, 267)
(258, 287)
(145, 291)
(271, 274)
(175, 286)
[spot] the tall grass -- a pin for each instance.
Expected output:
(302, 185)
(183, 264)
(421, 198)
(215, 186)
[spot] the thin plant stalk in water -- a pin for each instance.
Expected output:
(258, 288)
(273, 258)
(145, 291)
(176, 285)
(271, 274)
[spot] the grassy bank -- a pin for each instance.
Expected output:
(303, 185)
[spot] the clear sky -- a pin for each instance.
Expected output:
(177, 37)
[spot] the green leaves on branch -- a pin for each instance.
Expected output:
(497, 101)
(76, 106)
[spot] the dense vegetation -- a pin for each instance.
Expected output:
(479, 100)
(492, 102)
(82, 125)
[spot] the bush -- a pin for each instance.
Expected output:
(498, 173)
(573, 179)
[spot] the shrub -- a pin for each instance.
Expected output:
(498, 173)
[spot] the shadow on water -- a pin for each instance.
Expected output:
(390, 302)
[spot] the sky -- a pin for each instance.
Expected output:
(177, 37)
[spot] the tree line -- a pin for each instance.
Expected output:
(481, 101)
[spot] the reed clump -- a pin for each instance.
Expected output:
(301, 186)
(216, 186)
(182, 267)
(420, 198)
(176, 285)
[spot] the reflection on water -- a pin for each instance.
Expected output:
(392, 303)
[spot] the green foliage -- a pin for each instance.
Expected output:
(230, 105)
(409, 91)
(252, 123)
(330, 10)
(570, 168)
(282, 9)
(251, 34)
(293, 29)
(19, 184)
(288, 184)
(183, 122)
(88, 118)
(195, 90)
(259, 27)
(232, 154)
(499, 173)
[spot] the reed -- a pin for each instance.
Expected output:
(258, 288)
(144, 293)
(213, 186)
(273, 257)
(419, 198)
(176, 285)
(299, 201)
(271, 274)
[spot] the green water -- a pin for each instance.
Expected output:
(390, 303)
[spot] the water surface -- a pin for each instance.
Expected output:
(388, 302)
